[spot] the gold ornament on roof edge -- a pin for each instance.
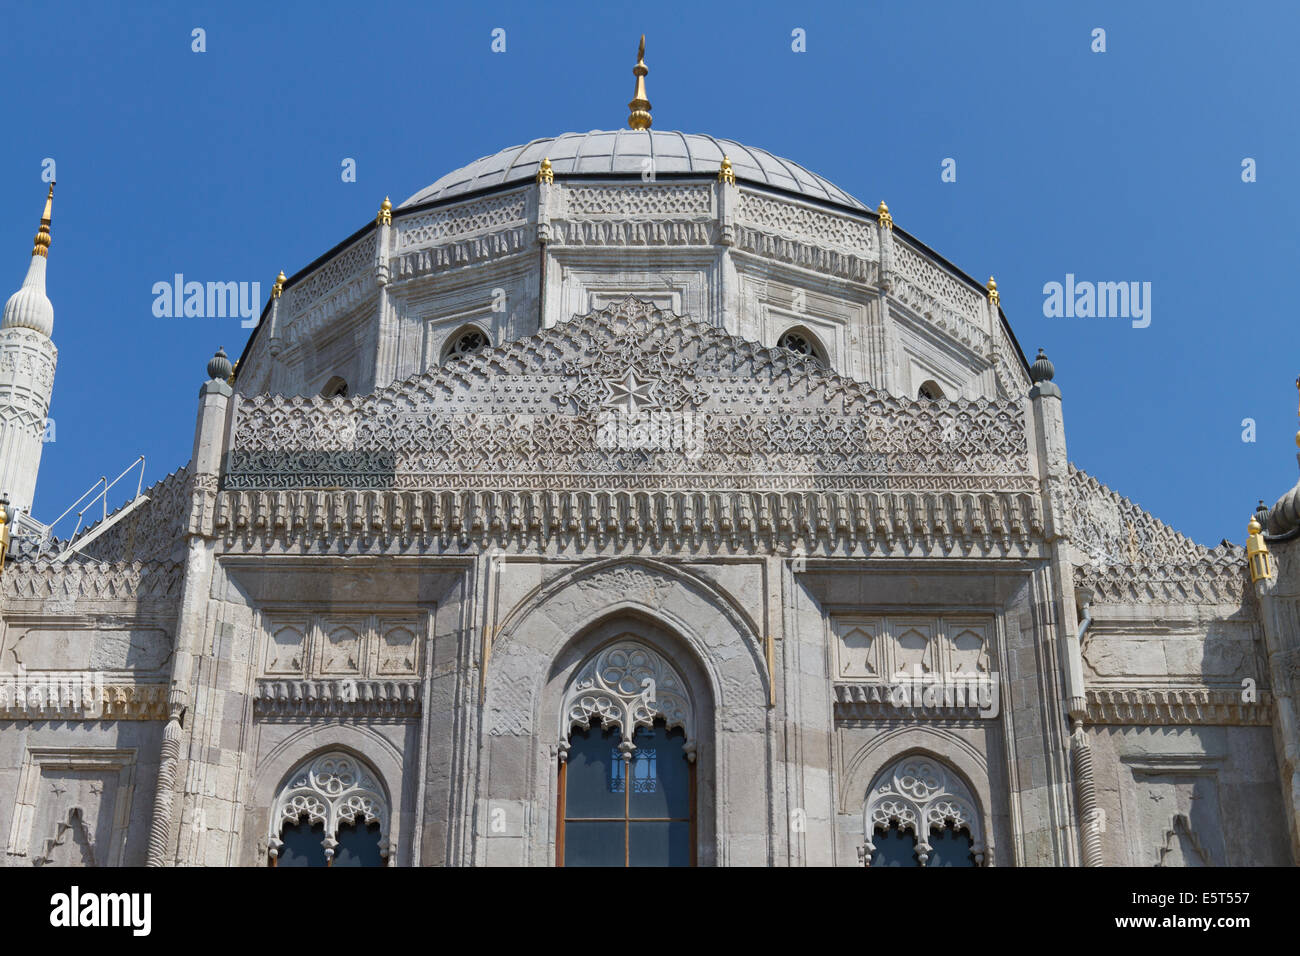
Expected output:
(882, 213)
(725, 173)
(545, 174)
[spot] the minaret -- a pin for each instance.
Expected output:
(27, 360)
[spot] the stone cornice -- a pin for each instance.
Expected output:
(291, 698)
(919, 522)
(1177, 706)
(79, 696)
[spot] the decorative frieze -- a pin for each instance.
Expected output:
(79, 696)
(464, 219)
(1177, 706)
(924, 522)
(573, 408)
(43, 580)
(343, 698)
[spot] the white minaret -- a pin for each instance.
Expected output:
(27, 359)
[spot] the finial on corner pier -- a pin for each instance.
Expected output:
(882, 213)
(640, 117)
(725, 173)
(385, 217)
(993, 291)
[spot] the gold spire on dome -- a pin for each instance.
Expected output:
(993, 291)
(278, 287)
(725, 173)
(640, 106)
(385, 217)
(882, 213)
(545, 174)
(41, 244)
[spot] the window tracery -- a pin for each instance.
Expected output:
(919, 797)
(334, 797)
(802, 342)
(466, 342)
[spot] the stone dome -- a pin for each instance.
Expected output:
(29, 307)
(623, 152)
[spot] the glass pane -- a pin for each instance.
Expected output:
(358, 846)
(302, 845)
(661, 784)
(894, 848)
(950, 848)
(590, 843)
(593, 780)
(659, 844)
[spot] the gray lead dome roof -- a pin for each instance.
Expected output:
(623, 151)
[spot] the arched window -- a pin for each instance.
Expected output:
(627, 777)
(919, 813)
(331, 812)
(465, 341)
(335, 388)
(929, 391)
(803, 342)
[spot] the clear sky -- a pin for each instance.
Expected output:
(1117, 166)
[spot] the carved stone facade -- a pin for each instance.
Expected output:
(526, 463)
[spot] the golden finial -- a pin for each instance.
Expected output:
(640, 106)
(278, 287)
(385, 217)
(1257, 554)
(233, 369)
(41, 244)
(725, 173)
(544, 172)
(882, 213)
(993, 291)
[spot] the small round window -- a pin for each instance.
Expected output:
(466, 342)
(802, 343)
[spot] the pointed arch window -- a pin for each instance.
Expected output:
(626, 794)
(920, 813)
(331, 812)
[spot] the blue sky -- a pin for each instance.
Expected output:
(1115, 166)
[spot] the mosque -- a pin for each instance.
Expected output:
(632, 497)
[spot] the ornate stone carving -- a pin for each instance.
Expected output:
(439, 225)
(919, 794)
(154, 529)
(508, 418)
(1177, 706)
(43, 580)
(332, 789)
(346, 698)
(627, 685)
(648, 200)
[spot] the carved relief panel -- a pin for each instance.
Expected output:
(326, 645)
(879, 648)
(72, 808)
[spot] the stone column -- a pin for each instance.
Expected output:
(1054, 477)
(205, 466)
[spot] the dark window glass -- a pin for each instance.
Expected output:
(593, 843)
(950, 847)
(636, 811)
(593, 781)
(358, 846)
(894, 847)
(303, 845)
